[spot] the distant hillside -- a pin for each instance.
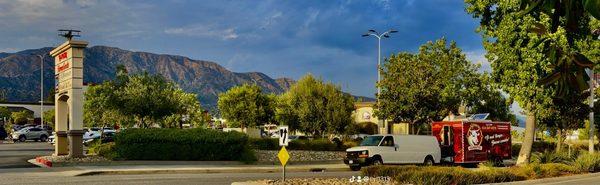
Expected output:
(20, 72)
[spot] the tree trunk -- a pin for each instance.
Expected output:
(559, 141)
(525, 152)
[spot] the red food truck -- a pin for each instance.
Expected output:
(473, 141)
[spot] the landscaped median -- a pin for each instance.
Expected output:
(158, 146)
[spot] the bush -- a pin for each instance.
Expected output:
(264, 143)
(181, 144)
(552, 157)
(314, 145)
(587, 162)
(538, 146)
(459, 175)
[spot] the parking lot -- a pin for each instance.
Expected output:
(15, 155)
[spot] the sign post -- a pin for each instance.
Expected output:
(283, 154)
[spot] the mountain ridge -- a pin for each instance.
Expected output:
(20, 73)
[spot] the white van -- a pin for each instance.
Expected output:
(394, 149)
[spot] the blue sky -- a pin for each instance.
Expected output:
(282, 38)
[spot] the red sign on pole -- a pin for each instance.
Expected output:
(63, 56)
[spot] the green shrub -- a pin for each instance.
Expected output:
(458, 175)
(264, 143)
(107, 150)
(552, 157)
(587, 162)
(322, 144)
(181, 144)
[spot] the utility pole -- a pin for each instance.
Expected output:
(376, 34)
(42, 56)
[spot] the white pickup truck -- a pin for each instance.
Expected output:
(393, 149)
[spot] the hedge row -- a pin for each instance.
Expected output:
(182, 144)
(459, 175)
(314, 145)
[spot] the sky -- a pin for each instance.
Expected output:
(281, 38)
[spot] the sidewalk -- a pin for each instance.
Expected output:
(210, 167)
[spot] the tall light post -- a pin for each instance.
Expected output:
(379, 37)
(592, 81)
(41, 88)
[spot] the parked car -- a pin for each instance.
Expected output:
(393, 149)
(30, 133)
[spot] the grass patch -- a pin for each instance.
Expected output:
(458, 175)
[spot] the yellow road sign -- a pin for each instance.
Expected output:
(283, 156)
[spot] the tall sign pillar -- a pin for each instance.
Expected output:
(68, 70)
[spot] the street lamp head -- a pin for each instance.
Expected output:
(373, 31)
(365, 35)
(386, 36)
(393, 31)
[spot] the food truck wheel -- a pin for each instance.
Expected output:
(498, 162)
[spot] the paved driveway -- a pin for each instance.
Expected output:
(15, 155)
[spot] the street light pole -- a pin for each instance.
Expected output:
(41, 89)
(379, 36)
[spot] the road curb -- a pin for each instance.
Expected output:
(208, 170)
(41, 162)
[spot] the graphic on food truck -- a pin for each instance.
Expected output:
(473, 141)
(474, 138)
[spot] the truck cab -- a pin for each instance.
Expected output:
(393, 149)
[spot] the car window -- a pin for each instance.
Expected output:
(388, 141)
(371, 141)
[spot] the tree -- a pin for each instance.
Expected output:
(246, 106)
(4, 113)
(316, 108)
(141, 100)
(49, 117)
(188, 112)
(21, 117)
(520, 53)
(423, 87)
(486, 98)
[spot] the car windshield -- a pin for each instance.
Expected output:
(371, 141)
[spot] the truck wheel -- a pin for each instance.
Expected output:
(377, 161)
(22, 138)
(428, 161)
(354, 168)
(498, 162)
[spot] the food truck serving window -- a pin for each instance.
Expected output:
(447, 135)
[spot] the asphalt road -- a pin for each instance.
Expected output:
(179, 179)
(15, 155)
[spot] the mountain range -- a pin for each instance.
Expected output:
(20, 73)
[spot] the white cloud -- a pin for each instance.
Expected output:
(203, 31)
(478, 57)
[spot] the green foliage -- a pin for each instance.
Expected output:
(106, 150)
(313, 145)
(21, 117)
(584, 133)
(550, 156)
(142, 100)
(418, 88)
(315, 107)
(49, 117)
(458, 175)
(587, 162)
(484, 97)
(181, 144)
(246, 106)
(4, 113)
